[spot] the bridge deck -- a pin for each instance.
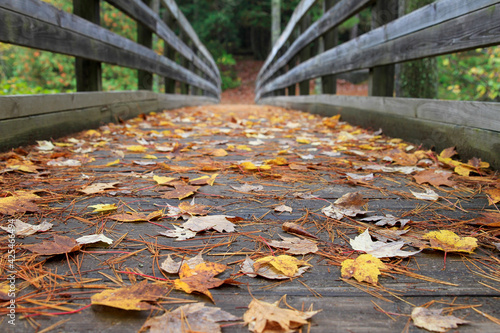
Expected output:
(314, 162)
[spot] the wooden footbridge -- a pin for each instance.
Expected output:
(171, 175)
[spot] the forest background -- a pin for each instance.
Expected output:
(231, 30)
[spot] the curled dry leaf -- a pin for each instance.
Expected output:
(173, 267)
(179, 233)
(134, 297)
(493, 195)
(386, 219)
(364, 268)
(284, 264)
(19, 202)
(378, 249)
(60, 245)
(197, 316)
(181, 192)
(95, 238)
(99, 208)
(25, 229)
(295, 245)
(201, 278)
(219, 223)
(283, 208)
(448, 241)
(204, 180)
(267, 271)
(428, 195)
(97, 187)
(294, 228)
(193, 209)
(347, 205)
(137, 217)
(434, 177)
(262, 317)
(433, 320)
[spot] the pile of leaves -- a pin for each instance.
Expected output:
(195, 215)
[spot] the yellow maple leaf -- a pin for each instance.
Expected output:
(448, 241)
(277, 161)
(303, 140)
(150, 157)
(162, 180)
(251, 166)
(134, 297)
(103, 208)
(137, 149)
(204, 180)
(243, 147)
(92, 133)
(218, 152)
(493, 195)
(332, 121)
(364, 268)
(285, 264)
(113, 163)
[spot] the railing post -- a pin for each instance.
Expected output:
(145, 37)
(305, 54)
(168, 51)
(88, 72)
(330, 40)
(381, 79)
(184, 63)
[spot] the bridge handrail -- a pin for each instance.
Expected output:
(36, 24)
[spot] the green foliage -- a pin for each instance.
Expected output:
(226, 64)
(471, 75)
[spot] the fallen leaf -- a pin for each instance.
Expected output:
(25, 229)
(19, 202)
(45, 145)
(448, 152)
(193, 209)
(201, 278)
(179, 233)
(493, 195)
(136, 217)
(295, 245)
(21, 165)
(331, 122)
(364, 268)
(134, 297)
(95, 238)
(248, 188)
(219, 223)
(171, 266)
(60, 245)
(163, 180)
(181, 192)
(218, 152)
(198, 317)
(284, 264)
(363, 242)
(204, 180)
(283, 208)
(97, 187)
(428, 195)
(448, 241)
(294, 228)
(64, 162)
(491, 220)
(433, 320)
(263, 317)
(268, 271)
(386, 219)
(434, 177)
(136, 149)
(103, 208)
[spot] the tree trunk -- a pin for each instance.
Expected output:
(418, 78)
(275, 21)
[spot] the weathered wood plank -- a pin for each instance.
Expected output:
(332, 18)
(399, 41)
(147, 17)
(24, 119)
(299, 12)
(473, 127)
(58, 31)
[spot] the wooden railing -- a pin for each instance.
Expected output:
(186, 66)
(443, 27)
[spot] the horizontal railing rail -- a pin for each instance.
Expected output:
(310, 51)
(35, 24)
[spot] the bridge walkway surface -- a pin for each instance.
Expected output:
(250, 189)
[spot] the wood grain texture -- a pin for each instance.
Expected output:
(443, 27)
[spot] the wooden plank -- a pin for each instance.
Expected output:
(25, 119)
(147, 17)
(88, 72)
(332, 18)
(188, 29)
(68, 34)
(398, 41)
(443, 123)
(299, 12)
